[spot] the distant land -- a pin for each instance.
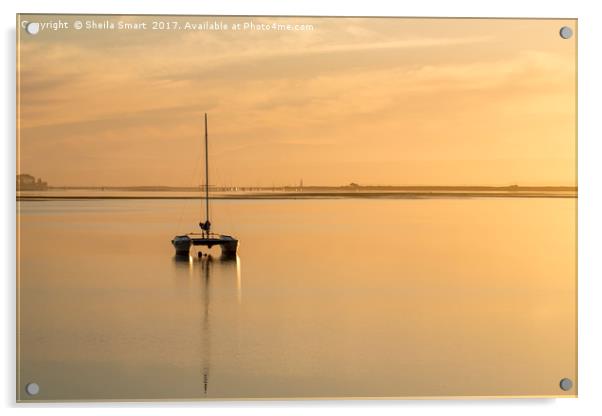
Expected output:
(26, 182)
(316, 188)
(298, 192)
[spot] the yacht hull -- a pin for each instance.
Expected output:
(182, 243)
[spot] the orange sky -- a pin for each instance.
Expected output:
(374, 101)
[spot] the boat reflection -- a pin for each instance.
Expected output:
(217, 279)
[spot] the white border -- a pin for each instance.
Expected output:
(590, 203)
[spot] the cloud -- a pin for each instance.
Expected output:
(354, 89)
(269, 63)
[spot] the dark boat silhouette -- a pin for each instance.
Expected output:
(206, 238)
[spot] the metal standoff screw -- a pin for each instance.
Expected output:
(32, 28)
(566, 32)
(566, 384)
(32, 389)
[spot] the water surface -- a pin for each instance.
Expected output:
(327, 298)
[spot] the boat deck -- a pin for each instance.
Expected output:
(212, 240)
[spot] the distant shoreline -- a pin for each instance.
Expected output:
(311, 188)
(39, 196)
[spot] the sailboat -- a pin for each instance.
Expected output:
(206, 238)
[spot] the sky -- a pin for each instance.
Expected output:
(375, 101)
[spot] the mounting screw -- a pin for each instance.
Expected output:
(32, 28)
(566, 32)
(566, 384)
(32, 389)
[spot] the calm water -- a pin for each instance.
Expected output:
(328, 298)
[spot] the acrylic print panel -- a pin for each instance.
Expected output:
(295, 207)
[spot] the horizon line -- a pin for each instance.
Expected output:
(351, 185)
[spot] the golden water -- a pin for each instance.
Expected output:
(327, 298)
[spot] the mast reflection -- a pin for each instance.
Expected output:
(216, 278)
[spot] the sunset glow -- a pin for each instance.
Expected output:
(372, 101)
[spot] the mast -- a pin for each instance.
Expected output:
(207, 223)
